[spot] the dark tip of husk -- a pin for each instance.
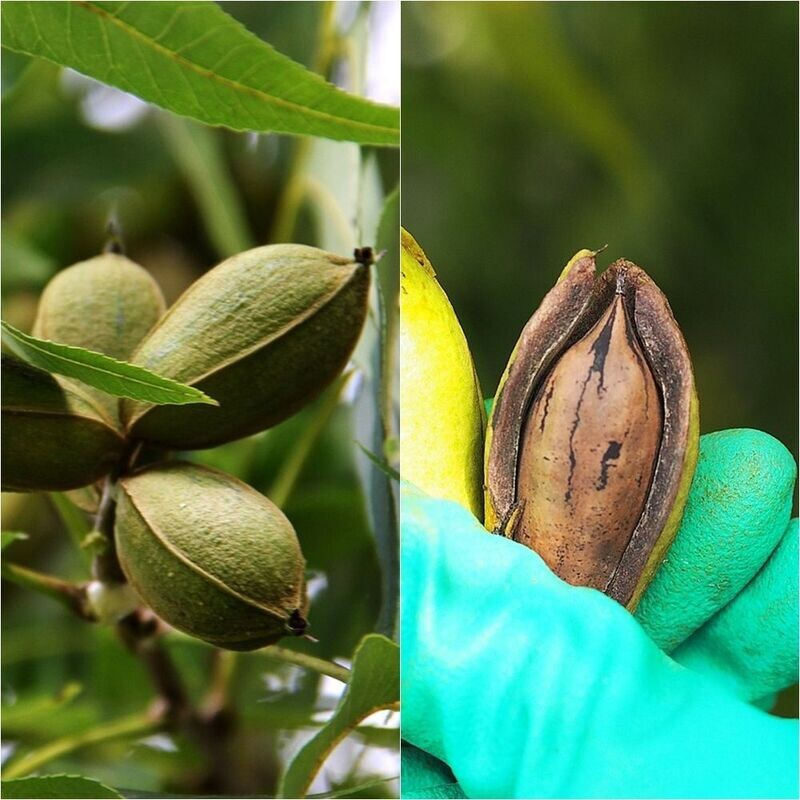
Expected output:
(364, 256)
(296, 625)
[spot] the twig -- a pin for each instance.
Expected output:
(71, 595)
(106, 566)
(223, 668)
(136, 725)
(216, 723)
(139, 632)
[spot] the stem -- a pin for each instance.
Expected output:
(114, 242)
(282, 486)
(139, 632)
(71, 595)
(136, 725)
(106, 566)
(215, 725)
(224, 666)
(313, 663)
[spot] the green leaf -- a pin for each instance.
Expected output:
(19, 716)
(381, 463)
(60, 786)
(374, 418)
(71, 595)
(102, 372)
(132, 726)
(197, 61)
(380, 497)
(332, 184)
(374, 685)
(6, 537)
(388, 242)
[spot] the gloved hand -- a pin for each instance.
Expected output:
(528, 687)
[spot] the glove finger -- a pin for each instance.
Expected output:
(424, 776)
(766, 703)
(528, 687)
(736, 513)
(751, 645)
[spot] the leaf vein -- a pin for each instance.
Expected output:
(236, 86)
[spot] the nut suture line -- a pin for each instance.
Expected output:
(592, 439)
(280, 320)
(210, 555)
(254, 320)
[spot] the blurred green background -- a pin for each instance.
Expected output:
(76, 154)
(668, 131)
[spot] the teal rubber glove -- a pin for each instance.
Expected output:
(528, 687)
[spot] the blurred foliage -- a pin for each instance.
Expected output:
(76, 154)
(181, 58)
(666, 130)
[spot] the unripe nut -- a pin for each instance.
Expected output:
(262, 333)
(55, 437)
(593, 437)
(210, 555)
(106, 304)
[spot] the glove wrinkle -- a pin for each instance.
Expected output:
(528, 687)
